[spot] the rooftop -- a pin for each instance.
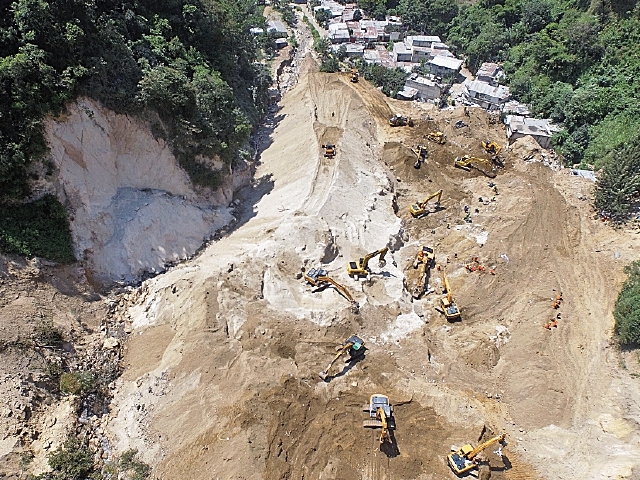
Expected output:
(484, 88)
(488, 69)
(446, 62)
(531, 126)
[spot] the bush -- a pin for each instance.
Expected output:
(627, 308)
(73, 461)
(39, 228)
(135, 469)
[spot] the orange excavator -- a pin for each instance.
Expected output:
(380, 416)
(425, 259)
(354, 345)
(448, 304)
(463, 459)
(319, 278)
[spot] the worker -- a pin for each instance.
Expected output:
(466, 209)
(495, 189)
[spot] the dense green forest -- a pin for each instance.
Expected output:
(187, 65)
(575, 61)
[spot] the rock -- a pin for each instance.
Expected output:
(110, 343)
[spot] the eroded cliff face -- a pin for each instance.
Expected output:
(132, 208)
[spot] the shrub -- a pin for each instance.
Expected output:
(73, 461)
(627, 308)
(77, 382)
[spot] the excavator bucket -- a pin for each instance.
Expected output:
(323, 375)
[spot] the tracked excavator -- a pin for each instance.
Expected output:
(400, 121)
(437, 137)
(380, 416)
(463, 460)
(425, 259)
(420, 209)
(319, 278)
(329, 150)
(422, 153)
(448, 304)
(492, 148)
(354, 346)
(361, 267)
(355, 75)
(468, 162)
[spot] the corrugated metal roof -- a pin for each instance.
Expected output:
(500, 91)
(446, 62)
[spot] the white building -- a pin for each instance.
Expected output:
(540, 129)
(485, 95)
(490, 73)
(427, 89)
(443, 66)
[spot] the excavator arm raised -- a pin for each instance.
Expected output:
(418, 209)
(361, 267)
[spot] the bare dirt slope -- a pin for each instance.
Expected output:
(221, 378)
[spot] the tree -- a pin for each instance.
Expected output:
(627, 309)
(323, 16)
(536, 14)
(357, 15)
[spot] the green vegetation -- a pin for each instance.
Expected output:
(627, 309)
(73, 461)
(190, 64)
(134, 468)
(39, 228)
(77, 382)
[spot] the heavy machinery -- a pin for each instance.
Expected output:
(425, 259)
(463, 460)
(419, 209)
(437, 137)
(491, 148)
(380, 416)
(468, 162)
(400, 121)
(329, 150)
(319, 278)
(361, 267)
(422, 154)
(354, 345)
(448, 304)
(355, 75)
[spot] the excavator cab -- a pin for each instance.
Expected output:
(354, 346)
(437, 137)
(380, 416)
(355, 75)
(420, 209)
(361, 267)
(492, 148)
(329, 150)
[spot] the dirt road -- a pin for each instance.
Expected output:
(221, 378)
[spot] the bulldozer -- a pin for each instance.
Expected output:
(400, 121)
(354, 346)
(448, 304)
(380, 416)
(319, 278)
(425, 259)
(329, 150)
(492, 148)
(468, 162)
(361, 267)
(355, 75)
(422, 154)
(463, 459)
(420, 209)
(437, 137)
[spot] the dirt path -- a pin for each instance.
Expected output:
(222, 370)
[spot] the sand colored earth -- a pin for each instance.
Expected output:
(221, 377)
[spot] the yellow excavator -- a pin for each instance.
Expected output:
(355, 75)
(361, 267)
(380, 416)
(319, 278)
(437, 137)
(448, 304)
(492, 148)
(422, 153)
(329, 150)
(463, 460)
(354, 345)
(468, 162)
(400, 121)
(425, 259)
(419, 209)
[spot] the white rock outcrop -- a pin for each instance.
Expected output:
(132, 208)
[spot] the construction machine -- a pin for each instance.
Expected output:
(492, 148)
(468, 162)
(425, 259)
(419, 209)
(449, 307)
(463, 459)
(437, 137)
(422, 153)
(329, 150)
(400, 121)
(380, 416)
(319, 278)
(354, 346)
(355, 75)
(361, 267)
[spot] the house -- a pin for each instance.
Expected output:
(300, 2)
(490, 73)
(277, 28)
(339, 33)
(256, 31)
(540, 129)
(401, 53)
(442, 66)
(281, 42)
(354, 50)
(407, 93)
(421, 40)
(427, 89)
(487, 96)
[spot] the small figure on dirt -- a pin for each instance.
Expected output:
(466, 209)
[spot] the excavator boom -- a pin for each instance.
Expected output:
(449, 307)
(467, 162)
(462, 460)
(419, 209)
(354, 345)
(361, 267)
